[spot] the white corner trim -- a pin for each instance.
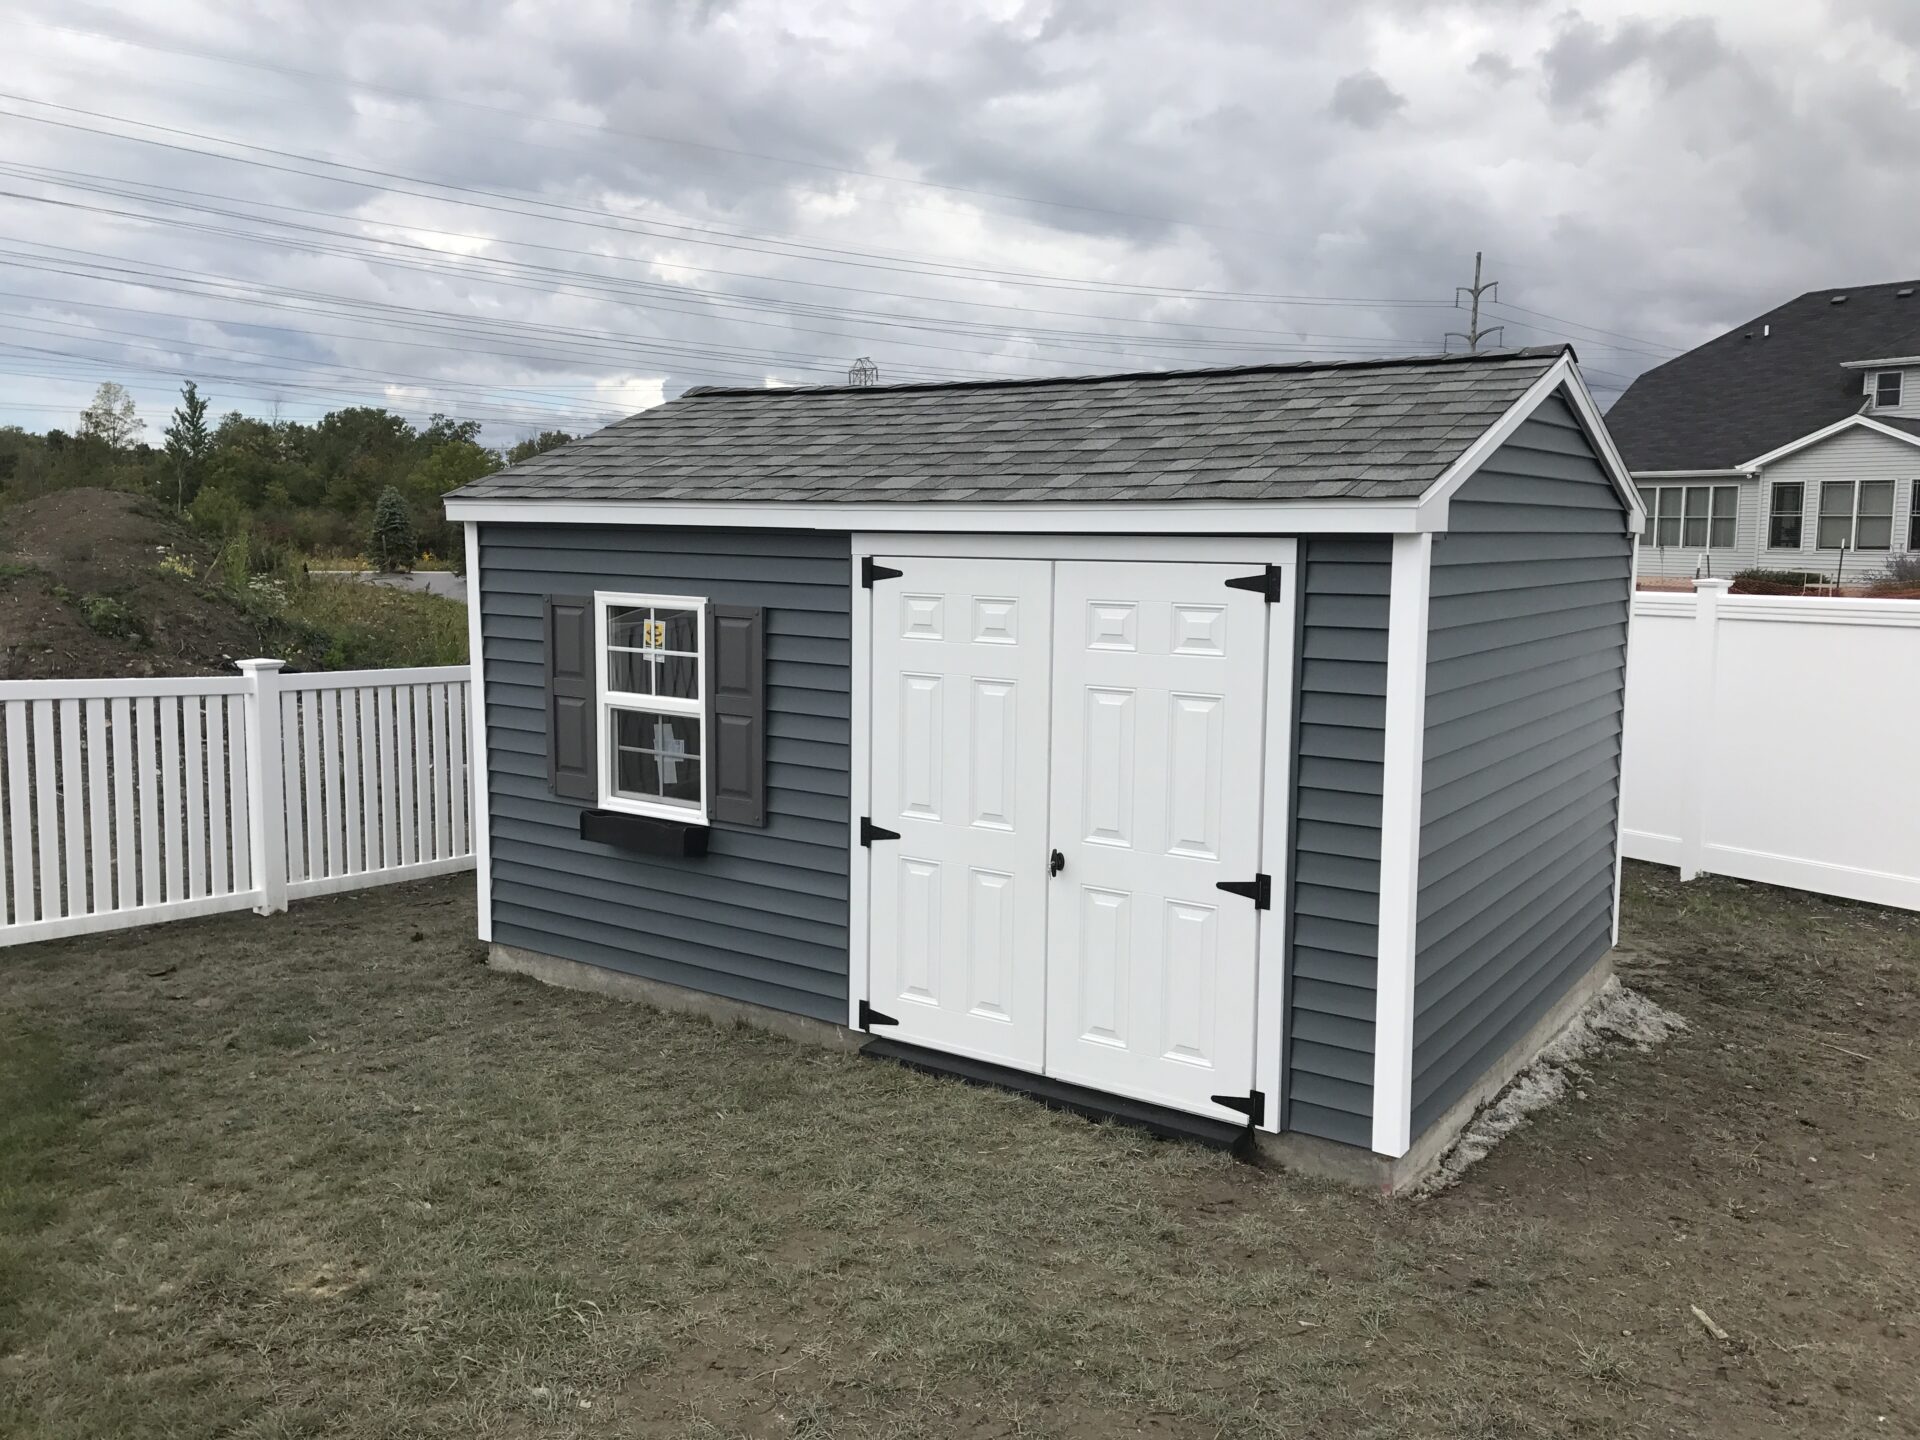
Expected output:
(1243, 517)
(1404, 748)
(1276, 840)
(479, 771)
(860, 796)
(1564, 375)
(1827, 432)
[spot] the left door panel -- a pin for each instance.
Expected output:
(960, 723)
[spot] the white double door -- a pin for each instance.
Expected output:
(1070, 753)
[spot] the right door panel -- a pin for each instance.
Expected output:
(1160, 674)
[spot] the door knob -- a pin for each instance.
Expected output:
(1056, 864)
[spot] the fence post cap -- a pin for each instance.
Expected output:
(1714, 583)
(250, 667)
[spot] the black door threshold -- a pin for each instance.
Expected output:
(1059, 1095)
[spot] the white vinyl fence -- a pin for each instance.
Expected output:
(1776, 739)
(124, 802)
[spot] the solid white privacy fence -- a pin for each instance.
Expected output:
(124, 802)
(1774, 739)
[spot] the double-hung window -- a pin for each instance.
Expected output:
(1856, 515)
(1784, 510)
(1913, 520)
(1700, 517)
(652, 703)
(1886, 389)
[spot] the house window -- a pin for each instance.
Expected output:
(1699, 517)
(652, 704)
(1783, 516)
(1913, 521)
(1886, 389)
(1856, 515)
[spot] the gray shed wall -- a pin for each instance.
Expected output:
(1526, 669)
(763, 916)
(1335, 895)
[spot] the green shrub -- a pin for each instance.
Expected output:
(1774, 582)
(112, 618)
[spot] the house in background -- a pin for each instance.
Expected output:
(1236, 751)
(1789, 443)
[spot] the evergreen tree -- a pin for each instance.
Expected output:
(393, 546)
(188, 444)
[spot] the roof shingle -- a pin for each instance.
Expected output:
(1359, 429)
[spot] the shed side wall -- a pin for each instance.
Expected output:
(1336, 877)
(1526, 668)
(763, 916)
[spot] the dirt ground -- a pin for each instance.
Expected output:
(326, 1173)
(106, 543)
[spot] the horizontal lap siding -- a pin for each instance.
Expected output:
(1336, 877)
(763, 916)
(1526, 663)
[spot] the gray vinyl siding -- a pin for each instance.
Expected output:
(1335, 898)
(1526, 664)
(763, 916)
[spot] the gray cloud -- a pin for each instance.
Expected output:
(1365, 99)
(1492, 65)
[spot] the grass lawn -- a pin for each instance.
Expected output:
(326, 1174)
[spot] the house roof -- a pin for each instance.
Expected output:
(1765, 383)
(1376, 429)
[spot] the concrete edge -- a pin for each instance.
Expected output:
(1352, 1165)
(673, 999)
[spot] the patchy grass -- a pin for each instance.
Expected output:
(326, 1173)
(346, 624)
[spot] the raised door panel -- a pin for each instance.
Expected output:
(1160, 679)
(961, 691)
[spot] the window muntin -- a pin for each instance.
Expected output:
(652, 704)
(1886, 389)
(1700, 517)
(1785, 508)
(1857, 515)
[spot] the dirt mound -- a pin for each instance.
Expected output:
(103, 583)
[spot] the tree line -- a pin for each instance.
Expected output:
(281, 484)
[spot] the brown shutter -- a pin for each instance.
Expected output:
(737, 714)
(572, 716)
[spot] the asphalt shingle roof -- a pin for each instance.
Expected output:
(1764, 383)
(1366, 430)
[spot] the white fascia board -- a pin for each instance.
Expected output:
(1732, 472)
(1852, 422)
(1563, 376)
(1276, 517)
(1881, 364)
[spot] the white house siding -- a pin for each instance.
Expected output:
(1857, 454)
(1909, 406)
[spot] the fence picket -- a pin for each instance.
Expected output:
(129, 801)
(19, 810)
(73, 796)
(126, 853)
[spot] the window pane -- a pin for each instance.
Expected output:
(1669, 501)
(1669, 530)
(657, 757)
(1783, 532)
(1695, 531)
(1876, 498)
(681, 629)
(1887, 389)
(1646, 536)
(626, 625)
(630, 671)
(1876, 533)
(1836, 498)
(1696, 502)
(1726, 501)
(1834, 531)
(1788, 499)
(1722, 533)
(679, 676)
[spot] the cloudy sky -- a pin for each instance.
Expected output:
(546, 216)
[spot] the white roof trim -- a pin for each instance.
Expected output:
(1878, 364)
(1732, 472)
(1827, 433)
(1565, 375)
(1241, 517)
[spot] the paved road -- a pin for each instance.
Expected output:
(444, 583)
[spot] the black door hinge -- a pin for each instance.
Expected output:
(1253, 1105)
(870, 1017)
(870, 571)
(1259, 890)
(870, 832)
(1266, 584)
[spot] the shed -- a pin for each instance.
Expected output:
(1235, 751)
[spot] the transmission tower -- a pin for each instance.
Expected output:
(1473, 334)
(864, 372)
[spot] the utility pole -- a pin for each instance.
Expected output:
(1474, 334)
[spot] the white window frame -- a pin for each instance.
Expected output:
(607, 700)
(1650, 534)
(1774, 513)
(1899, 389)
(1853, 545)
